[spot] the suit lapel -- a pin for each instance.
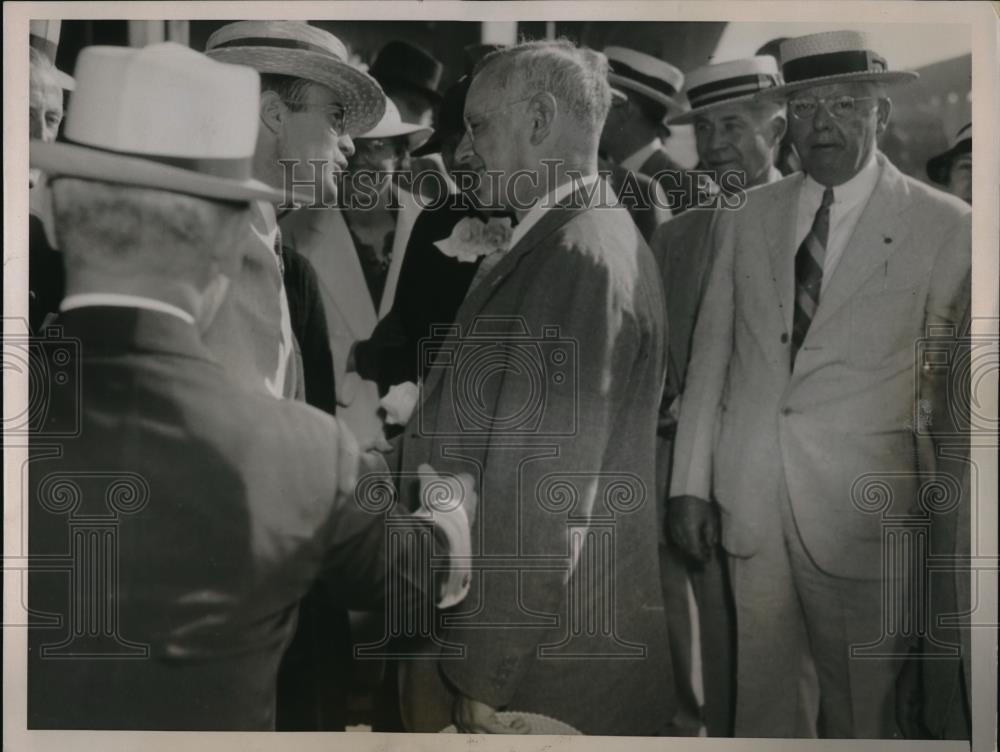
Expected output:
(481, 294)
(879, 232)
(778, 222)
(330, 248)
(409, 210)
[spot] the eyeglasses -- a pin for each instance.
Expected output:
(840, 108)
(336, 114)
(476, 120)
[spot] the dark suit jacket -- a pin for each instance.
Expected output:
(641, 195)
(548, 398)
(661, 167)
(308, 318)
(431, 288)
(211, 509)
(46, 277)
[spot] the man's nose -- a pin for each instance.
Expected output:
(822, 120)
(719, 140)
(346, 145)
(464, 152)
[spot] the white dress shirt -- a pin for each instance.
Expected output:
(91, 299)
(553, 197)
(849, 201)
(636, 160)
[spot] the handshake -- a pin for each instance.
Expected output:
(450, 502)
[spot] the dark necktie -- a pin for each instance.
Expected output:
(809, 272)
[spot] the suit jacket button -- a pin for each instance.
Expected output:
(784, 338)
(786, 411)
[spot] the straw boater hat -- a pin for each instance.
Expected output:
(165, 117)
(392, 126)
(833, 57)
(294, 48)
(733, 82)
(644, 74)
(939, 166)
(44, 37)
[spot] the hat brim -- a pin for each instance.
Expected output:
(430, 146)
(688, 116)
(888, 78)
(432, 94)
(356, 90)
(63, 80)
(75, 161)
(416, 134)
(938, 167)
(649, 92)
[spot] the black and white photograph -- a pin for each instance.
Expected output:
(560, 369)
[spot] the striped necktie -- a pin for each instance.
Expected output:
(809, 272)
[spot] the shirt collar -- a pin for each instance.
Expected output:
(636, 160)
(117, 300)
(850, 194)
(548, 201)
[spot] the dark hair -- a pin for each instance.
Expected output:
(289, 88)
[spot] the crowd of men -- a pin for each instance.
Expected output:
(595, 381)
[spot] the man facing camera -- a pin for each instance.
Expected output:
(798, 401)
(192, 511)
(542, 392)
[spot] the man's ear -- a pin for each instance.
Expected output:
(542, 109)
(883, 113)
(778, 127)
(272, 110)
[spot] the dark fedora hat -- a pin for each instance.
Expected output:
(449, 117)
(400, 63)
(939, 166)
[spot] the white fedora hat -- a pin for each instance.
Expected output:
(644, 74)
(163, 116)
(733, 82)
(44, 37)
(392, 126)
(832, 57)
(294, 48)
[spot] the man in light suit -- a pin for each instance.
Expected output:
(543, 393)
(737, 134)
(799, 396)
(194, 512)
(357, 251)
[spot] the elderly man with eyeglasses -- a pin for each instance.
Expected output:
(798, 410)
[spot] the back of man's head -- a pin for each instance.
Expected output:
(577, 77)
(116, 235)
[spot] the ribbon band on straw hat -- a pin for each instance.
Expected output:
(297, 49)
(732, 82)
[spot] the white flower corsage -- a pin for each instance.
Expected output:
(472, 238)
(399, 403)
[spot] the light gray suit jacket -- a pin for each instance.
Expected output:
(838, 430)
(323, 238)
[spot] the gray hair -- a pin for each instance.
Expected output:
(122, 229)
(576, 76)
(42, 68)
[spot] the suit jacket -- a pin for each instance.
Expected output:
(431, 288)
(251, 334)
(46, 277)
(838, 429)
(643, 198)
(661, 167)
(323, 238)
(546, 393)
(210, 508)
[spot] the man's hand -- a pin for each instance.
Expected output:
(693, 526)
(474, 717)
(442, 493)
